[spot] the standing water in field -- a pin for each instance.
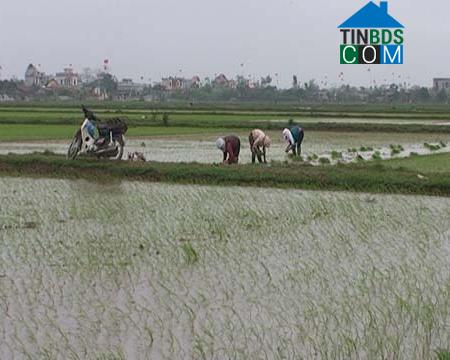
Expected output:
(138, 271)
(202, 148)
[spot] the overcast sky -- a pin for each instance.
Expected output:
(154, 38)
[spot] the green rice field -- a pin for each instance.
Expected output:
(136, 271)
(343, 253)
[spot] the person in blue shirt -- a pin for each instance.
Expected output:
(92, 129)
(294, 138)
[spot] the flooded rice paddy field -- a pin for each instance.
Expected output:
(139, 271)
(362, 120)
(201, 148)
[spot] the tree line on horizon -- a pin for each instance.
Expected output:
(308, 92)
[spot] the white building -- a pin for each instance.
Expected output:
(33, 77)
(68, 78)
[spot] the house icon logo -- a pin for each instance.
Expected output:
(372, 36)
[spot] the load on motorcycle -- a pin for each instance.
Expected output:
(99, 138)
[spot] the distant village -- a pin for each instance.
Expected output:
(102, 85)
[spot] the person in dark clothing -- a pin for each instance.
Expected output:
(294, 138)
(230, 146)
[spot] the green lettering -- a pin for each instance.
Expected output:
(386, 37)
(374, 37)
(398, 37)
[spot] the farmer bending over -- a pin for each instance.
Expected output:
(258, 140)
(230, 146)
(294, 138)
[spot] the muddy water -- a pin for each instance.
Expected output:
(202, 149)
(92, 271)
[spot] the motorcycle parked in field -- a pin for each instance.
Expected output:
(99, 138)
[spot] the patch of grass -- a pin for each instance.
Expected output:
(324, 161)
(336, 155)
(396, 149)
(432, 147)
(48, 152)
(443, 354)
(111, 356)
(359, 158)
(399, 176)
(437, 163)
(365, 148)
(376, 155)
(165, 119)
(415, 110)
(211, 116)
(16, 132)
(190, 254)
(295, 158)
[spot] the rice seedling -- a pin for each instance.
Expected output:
(359, 158)
(315, 275)
(324, 161)
(190, 254)
(376, 155)
(336, 155)
(165, 119)
(294, 158)
(396, 149)
(443, 355)
(432, 147)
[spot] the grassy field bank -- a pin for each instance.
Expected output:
(436, 163)
(247, 106)
(400, 176)
(17, 132)
(14, 132)
(26, 121)
(38, 113)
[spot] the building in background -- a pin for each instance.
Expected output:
(177, 83)
(441, 84)
(220, 81)
(172, 83)
(194, 83)
(52, 84)
(127, 89)
(34, 77)
(68, 78)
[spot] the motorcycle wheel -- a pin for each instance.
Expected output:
(74, 148)
(120, 148)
